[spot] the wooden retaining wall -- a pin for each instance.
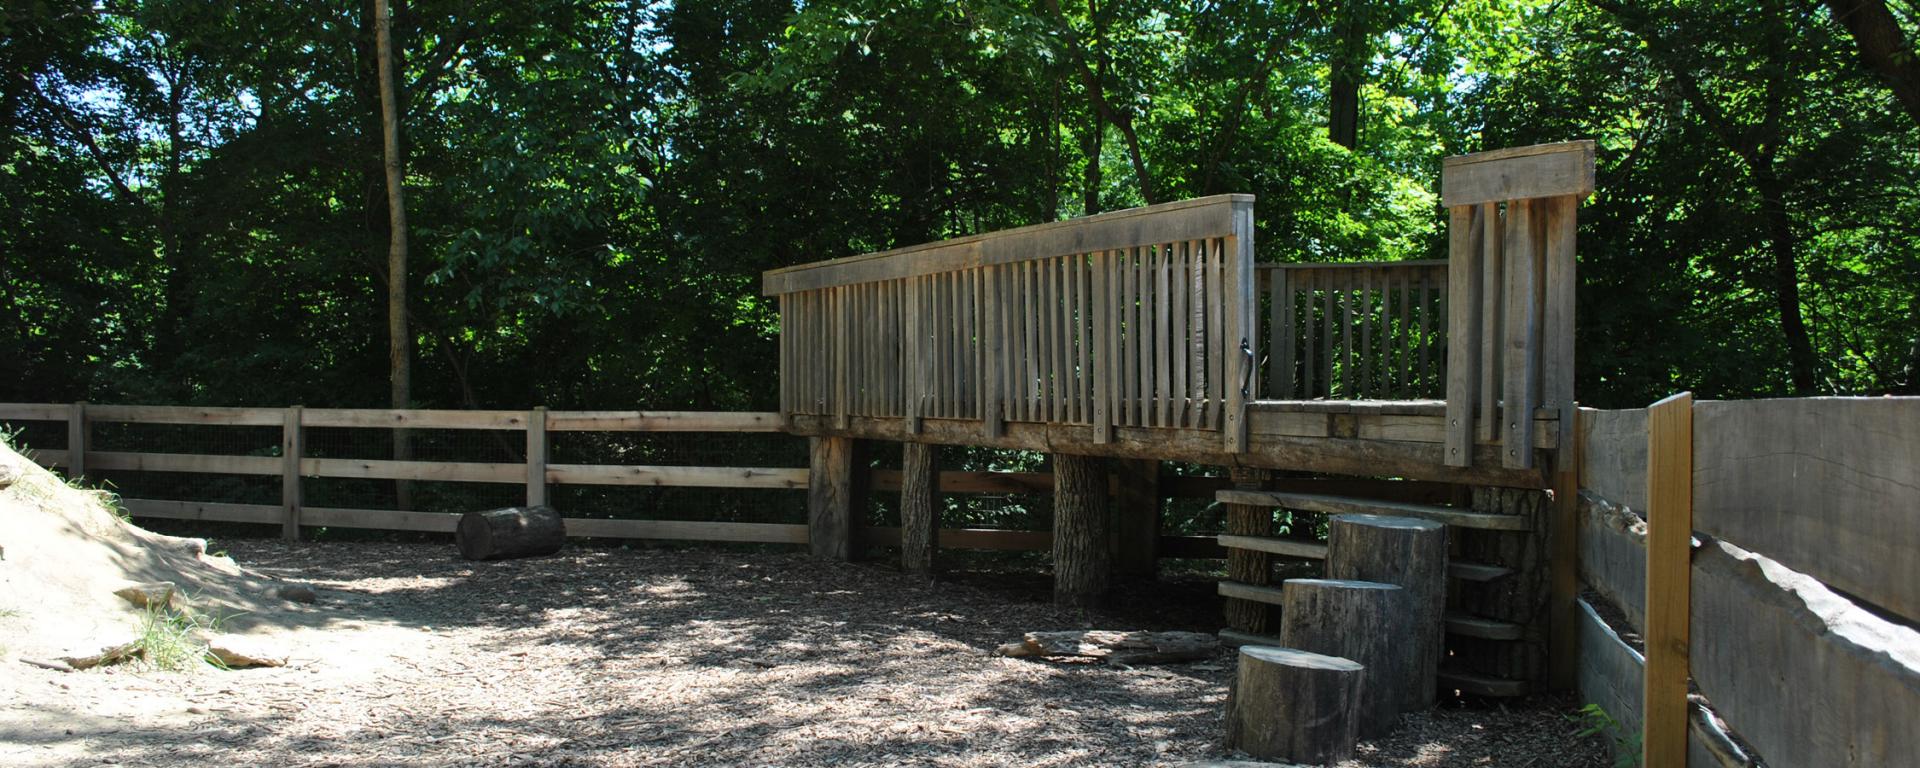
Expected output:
(1797, 592)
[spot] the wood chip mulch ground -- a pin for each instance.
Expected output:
(692, 657)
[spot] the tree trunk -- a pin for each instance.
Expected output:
(1781, 245)
(1248, 566)
(1294, 706)
(1522, 597)
(1883, 48)
(1136, 518)
(1365, 621)
(1349, 61)
(1412, 554)
(835, 495)
(399, 341)
(499, 534)
(1082, 557)
(919, 507)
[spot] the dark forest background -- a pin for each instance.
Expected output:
(194, 205)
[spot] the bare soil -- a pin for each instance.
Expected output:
(687, 657)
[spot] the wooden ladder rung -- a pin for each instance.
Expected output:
(1254, 592)
(1477, 572)
(1488, 629)
(1482, 685)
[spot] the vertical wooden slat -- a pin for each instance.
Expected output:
(1522, 338)
(1308, 280)
(1367, 352)
(1030, 310)
(975, 349)
(993, 408)
(79, 435)
(1221, 345)
(1562, 282)
(1404, 339)
(1669, 578)
(1144, 332)
(1329, 317)
(843, 352)
(1427, 310)
(914, 362)
(536, 457)
(1280, 305)
(1492, 326)
(1163, 339)
(293, 443)
(1198, 336)
(1465, 227)
(1049, 341)
(1124, 327)
(1083, 267)
(1101, 273)
(1242, 344)
(1177, 289)
(1349, 382)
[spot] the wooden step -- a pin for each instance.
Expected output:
(1478, 572)
(1233, 638)
(1482, 685)
(1254, 592)
(1489, 629)
(1345, 505)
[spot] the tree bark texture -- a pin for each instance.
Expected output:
(832, 498)
(1082, 555)
(1366, 622)
(1294, 706)
(1247, 566)
(498, 534)
(1522, 597)
(919, 507)
(1412, 554)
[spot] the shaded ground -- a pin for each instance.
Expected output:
(657, 657)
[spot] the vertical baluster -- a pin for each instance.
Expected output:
(1030, 351)
(1082, 267)
(1163, 338)
(1101, 271)
(1219, 346)
(1197, 342)
(1366, 332)
(1492, 325)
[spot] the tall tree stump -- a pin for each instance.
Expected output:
(498, 534)
(919, 507)
(1245, 565)
(1410, 553)
(1294, 706)
(1364, 621)
(1082, 556)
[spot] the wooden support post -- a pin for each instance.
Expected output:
(1242, 342)
(1136, 518)
(1669, 578)
(1465, 228)
(78, 435)
(1411, 553)
(537, 457)
(293, 442)
(1082, 555)
(1563, 530)
(1245, 565)
(831, 501)
(919, 507)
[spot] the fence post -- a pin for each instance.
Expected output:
(292, 447)
(1563, 566)
(1669, 578)
(830, 498)
(1242, 343)
(78, 436)
(537, 457)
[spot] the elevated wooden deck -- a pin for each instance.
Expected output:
(1141, 334)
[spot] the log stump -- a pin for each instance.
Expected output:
(1412, 554)
(498, 534)
(1082, 554)
(1364, 621)
(1294, 706)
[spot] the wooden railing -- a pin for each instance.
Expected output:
(1138, 318)
(1366, 331)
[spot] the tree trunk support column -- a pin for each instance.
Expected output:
(1082, 552)
(919, 507)
(836, 496)
(1248, 566)
(1136, 518)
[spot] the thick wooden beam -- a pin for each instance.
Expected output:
(919, 507)
(1669, 578)
(77, 439)
(292, 446)
(831, 498)
(1082, 554)
(537, 457)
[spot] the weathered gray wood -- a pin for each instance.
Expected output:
(830, 498)
(1493, 327)
(1827, 486)
(179, 414)
(698, 477)
(1762, 631)
(1613, 456)
(1239, 305)
(1545, 170)
(1082, 553)
(1464, 228)
(1115, 647)
(206, 510)
(919, 508)
(292, 447)
(180, 462)
(1669, 533)
(1613, 555)
(1366, 622)
(1346, 505)
(1305, 550)
(663, 421)
(1410, 553)
(79, 434)
(498, 534)
(537, 457)
(1294, 705)
(1136, 518)
(377, 469)
(1521, 346)
(376, 418)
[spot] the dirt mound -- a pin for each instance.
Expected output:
(73, 573)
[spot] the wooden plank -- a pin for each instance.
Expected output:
(1367, 351)
(1233, 638)
(1341, 505)
(1284, 351)
(57, 457)
(914, 362)
(998, 371)
(537, 458)
(381, 519)
(1563, 565)
(663, 421)
(1481, 685)
(1165, 222)
(1613, 455)
(958, 481)
(1669, 534)
(1464, 625)
(389, 418)
(1521, 339)
(381, 469)
(34, 411)
(1763, 632)
(1163, 338)
(750, 533)
(1493, 328)
(699, 477)
(1829, 487)
(183, 462)
(1545, 170)
(172, 414)
(1610, 671)
(1464, 230)
(203, 510)
(292, 448)
(1254, 592)
(1561, 282)
(1102, 275)
(1179, 286)
(1613, 556)
(1305, 550)
(1243, 338)
(1199, 335)
(79, 443)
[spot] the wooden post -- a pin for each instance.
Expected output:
(1136, 518)
(293, 445)
(537, 457)
(1242, 342)
(1249, 566)
(1669, 577)
(1563, 566)
(919, 507)
(1465, 228)
(78, 435)
(1082, 555)
(830, 498)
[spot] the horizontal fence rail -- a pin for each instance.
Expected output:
(1361, 331)
(1138, 318)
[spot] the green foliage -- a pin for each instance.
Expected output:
(168, 639)
(1594, 721)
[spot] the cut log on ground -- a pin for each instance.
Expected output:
(1295, 706)
(1411, 553)
(1116, 647)
(1365, 621)
(498, 534)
